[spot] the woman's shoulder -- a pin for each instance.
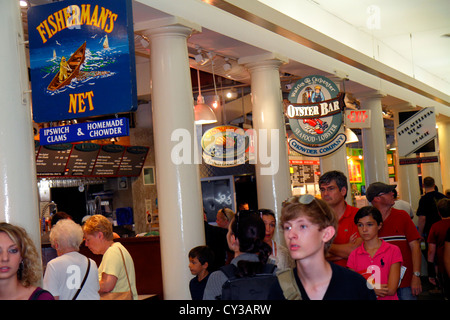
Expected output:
(41, 294)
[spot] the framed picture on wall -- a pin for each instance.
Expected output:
(149, 175)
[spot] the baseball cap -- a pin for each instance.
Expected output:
(376, 188)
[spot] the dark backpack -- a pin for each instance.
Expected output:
(247, 288)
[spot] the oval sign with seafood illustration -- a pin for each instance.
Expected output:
(314, 111)
(225, 146)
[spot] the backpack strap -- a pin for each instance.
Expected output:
(269, 268)
(288, 284)
(229, 270)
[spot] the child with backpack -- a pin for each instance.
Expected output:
(248, 276)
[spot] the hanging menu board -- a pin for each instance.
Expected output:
(82, 159)
(108, 160)
(132, 161)
(52, 160)
(89, 159)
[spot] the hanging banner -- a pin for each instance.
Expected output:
(314, 111)
(82, 60)
(85, 131)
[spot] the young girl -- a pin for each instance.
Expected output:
(280, 255)
(377, 259)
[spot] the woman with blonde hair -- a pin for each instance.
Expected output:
(116, 271)
(20, 266)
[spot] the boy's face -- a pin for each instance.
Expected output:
(196, 267)
(304, 239)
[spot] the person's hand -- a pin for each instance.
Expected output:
(382, 291)
(416, 286)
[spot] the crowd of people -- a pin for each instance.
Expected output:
(337, 251)
(332, 251)
(70, 275)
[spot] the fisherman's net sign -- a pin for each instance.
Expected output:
(82, 59)
(315, 116)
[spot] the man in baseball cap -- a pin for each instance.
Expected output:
(378, 188)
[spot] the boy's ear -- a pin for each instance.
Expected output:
(328, 233)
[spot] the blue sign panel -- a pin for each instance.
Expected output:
(82, 59)
(85, 131)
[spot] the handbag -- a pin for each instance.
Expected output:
(84, 280)
(127, 295)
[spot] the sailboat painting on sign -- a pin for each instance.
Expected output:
(82, 60)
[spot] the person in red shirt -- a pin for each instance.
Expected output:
(333, 189)
(398, 229)
(436, 243)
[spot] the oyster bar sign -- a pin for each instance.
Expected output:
(314, 111)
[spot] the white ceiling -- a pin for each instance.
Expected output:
(414, 31)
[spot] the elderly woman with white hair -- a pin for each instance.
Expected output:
(70, 276)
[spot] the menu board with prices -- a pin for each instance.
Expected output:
(132, 161)
(304, 171)
(90, 160)
(108, 160)
(52, 159)
(82, 159)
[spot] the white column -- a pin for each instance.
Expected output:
(408, 187)
(374, 140)
(338, 159)
(272, 164)
(18, 188)
(444, 152)
(178, 181)
(432, 169)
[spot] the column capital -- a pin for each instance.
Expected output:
(169, 24)
(369, 95)
(269, 59)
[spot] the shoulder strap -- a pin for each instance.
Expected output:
(123, 259)
(269, 268)
(84, 280)
(289, 285)
(229, 270)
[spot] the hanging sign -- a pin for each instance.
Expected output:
(82, 60)
(314, 111)
(355, 119)
(416, 131)
(226, 146)
(84, 131)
